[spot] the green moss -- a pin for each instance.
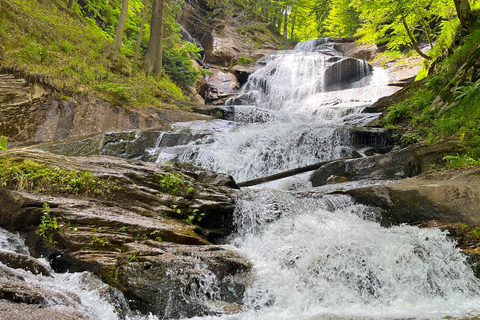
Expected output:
(30, 175)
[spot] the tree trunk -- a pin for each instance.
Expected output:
(293, 24)
(153, 58)
(117, 43)
(412, 40)
(140, 33)
(70, 4)
(464, 13)
(427, 32)
(285, 25)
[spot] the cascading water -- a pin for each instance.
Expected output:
(303, 113)
(78, 295)
(322, 256)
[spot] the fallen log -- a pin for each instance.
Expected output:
(285, 174)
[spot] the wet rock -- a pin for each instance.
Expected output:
(125, 144)
(185, 280)
(25, 262)
(399, 164)
(443, 196)
(345, 70)
(137, 238)
(221, 85)
(336, 179)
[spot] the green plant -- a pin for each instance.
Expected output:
(3, 142)
(475, 232)
(30, 175)
(195, 216)
(96, 241)
(218, 114)
(48, 225)
(123, 229)
(244, 60)
(453, 162)
(132, 258)
(467, 90)
(171, 183)
(157, 238)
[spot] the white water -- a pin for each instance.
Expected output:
(80, 292)
(312, 263)
(322, 256)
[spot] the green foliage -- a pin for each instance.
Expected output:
(171, 183)
(30, 175)
(415, 109)
(68, 51)
(123, 229)
(3, 143)
(48, 226)
(244, 60)
(467, 90)
(342, 20)
(177, 64)
(174, 183)
(453, 162)
(195, 217)
(133, 258)
(97, 241)
(154, 233)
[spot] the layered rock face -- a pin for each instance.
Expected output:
(30, 112)
(149, 233)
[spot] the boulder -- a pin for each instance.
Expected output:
(398, 164)
(32, 113)
(346, 70)
(443, 196)
(152, 242)
(221, 85)
(22, 261)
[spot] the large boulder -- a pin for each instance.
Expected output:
(395, 165)
(146, 230)
(345, 70)
(442, 196)
(221, 85)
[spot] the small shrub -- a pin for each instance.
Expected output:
(195, 217)
(48, 226)
(171, 183)
(3, 143)
(244, 60)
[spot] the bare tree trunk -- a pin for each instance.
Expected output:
(140, 33)
(117, 43)
(464, 13)
(285, 25)
(70, 4)
(293, 24)
(412, 40)
(153, 58)
(427, 32)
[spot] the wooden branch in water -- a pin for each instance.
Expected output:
(286, 174)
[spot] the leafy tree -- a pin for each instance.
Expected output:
(153, 58)
(117, 43)
(342, 20)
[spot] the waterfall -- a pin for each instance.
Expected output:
(321, 256)
(66, 295)
(335, 263)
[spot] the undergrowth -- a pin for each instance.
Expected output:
(45, 43)
(430, 120)
(30, 175)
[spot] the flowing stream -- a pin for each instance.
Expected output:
(321, 256)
